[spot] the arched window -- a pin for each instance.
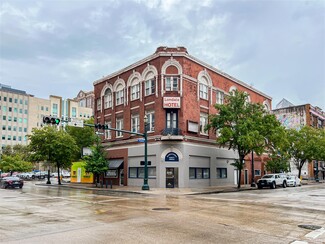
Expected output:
(232, 90)
(204, 88)
(135, 90)
(108, 98)
(119, 94)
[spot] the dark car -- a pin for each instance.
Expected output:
(11, 182)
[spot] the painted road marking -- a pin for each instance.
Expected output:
(316, 233)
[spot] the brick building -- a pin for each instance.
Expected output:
(177, 93)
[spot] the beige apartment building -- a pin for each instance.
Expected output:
(21, 112)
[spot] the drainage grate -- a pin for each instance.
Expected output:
(310, 227)
(160, 209)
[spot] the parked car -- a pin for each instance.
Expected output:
(272, 181)
(11, 182)
(27, 175)
(293, 180)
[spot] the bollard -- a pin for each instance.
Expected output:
(111, 184)
(106, 183)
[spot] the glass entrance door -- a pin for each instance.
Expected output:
(171, 177)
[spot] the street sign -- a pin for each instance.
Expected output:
(142, 162)
(141, 140)
(76, 122)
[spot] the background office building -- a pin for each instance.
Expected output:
(176, 92)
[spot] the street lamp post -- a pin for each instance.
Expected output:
(145, 179)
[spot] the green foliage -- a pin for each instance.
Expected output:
(15, 162)
(96, 163)
(306, 145)
(56, 147)
(15, 158)
(243, 127)
(84, 137)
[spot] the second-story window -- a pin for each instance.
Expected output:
(135, 91)
(149, 87)
(119, 126)
(203, 123)
(119, 95)
(108, 133)
(108, 98)
(151, 121)
(135, 123)
(171, 83)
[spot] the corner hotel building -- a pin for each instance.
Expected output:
(177, 93)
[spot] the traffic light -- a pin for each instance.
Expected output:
(51, 120)
(100, 126)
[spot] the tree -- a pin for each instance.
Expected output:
(278, 151)
(84, 137)
(15, 163)
(306, 144)
(15, 158)
(56, 147)
(243, 127)
(96, 163)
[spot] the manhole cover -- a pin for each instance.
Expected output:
(160, 209)
(310, 227)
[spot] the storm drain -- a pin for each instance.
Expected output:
(310, 227)
(161, 209)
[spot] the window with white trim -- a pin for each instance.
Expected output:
(220, 97)
(203, 90)
(203, 123)
(151, 121)
(99, 104)
(135, 123)
(119, 95)
(135, 91)
(108, 98)
(108, 133)
(171, 83)
(119, 126)
(150, 87)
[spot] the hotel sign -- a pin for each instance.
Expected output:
(172, 102)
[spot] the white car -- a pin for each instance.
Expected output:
(293, 180)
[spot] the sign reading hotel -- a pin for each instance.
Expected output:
(172, 102)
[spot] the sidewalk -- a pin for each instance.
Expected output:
(155, 191)
(165, 191)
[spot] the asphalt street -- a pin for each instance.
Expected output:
(47, 214)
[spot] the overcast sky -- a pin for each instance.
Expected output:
(58, 47)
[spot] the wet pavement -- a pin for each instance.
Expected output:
(74, 214)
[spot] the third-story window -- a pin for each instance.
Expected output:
(171, 83)
(108, 98)
(150, 87)
(135, 123)
(99, 104)
(119, 95)
(119, 126)
(203, 91)
(203, 123)
(135, 91)
(220, 97)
